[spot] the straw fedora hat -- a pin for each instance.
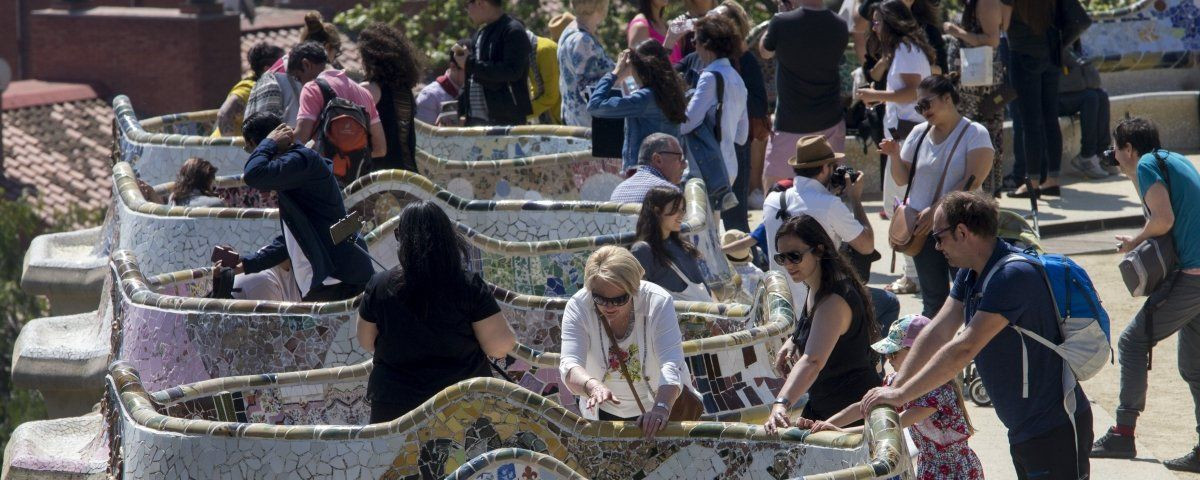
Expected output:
(560, 23)
(813, 151)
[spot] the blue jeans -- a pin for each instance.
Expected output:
(737, 218)
(1093, 109)
(1036, 82)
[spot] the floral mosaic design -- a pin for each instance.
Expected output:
(495, 143)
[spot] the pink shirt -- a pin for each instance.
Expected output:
(676, 52)
(311, 100)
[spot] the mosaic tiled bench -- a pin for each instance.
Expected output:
(157, 146)
(533, 247)
(61, 449)
(495, 143)
(226, 428)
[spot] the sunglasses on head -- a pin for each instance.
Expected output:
(617, 301)
(784, 258)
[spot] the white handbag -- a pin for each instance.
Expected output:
(976, 66)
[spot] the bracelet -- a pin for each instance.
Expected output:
(585, 384)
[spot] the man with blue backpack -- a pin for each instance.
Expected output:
(1034, 328)
(1170, 188)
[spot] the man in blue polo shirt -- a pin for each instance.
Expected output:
(1043, 441)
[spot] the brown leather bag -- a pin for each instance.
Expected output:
(687, 408)
(903, 234)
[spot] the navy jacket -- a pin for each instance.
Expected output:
(502, 69)
(309, 203)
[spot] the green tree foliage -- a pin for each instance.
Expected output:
(19, 224)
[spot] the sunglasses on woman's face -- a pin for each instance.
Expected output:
(923, 105)
(617, 301)
(784, 258)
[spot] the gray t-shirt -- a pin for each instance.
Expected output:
(663, 275)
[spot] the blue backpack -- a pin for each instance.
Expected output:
(1083, 322)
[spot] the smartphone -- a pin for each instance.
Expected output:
(226, 255)
(346, 227)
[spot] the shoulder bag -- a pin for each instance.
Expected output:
(1146, 266)
(902, 233)
(687, 407)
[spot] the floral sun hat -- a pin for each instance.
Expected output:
(902, 334)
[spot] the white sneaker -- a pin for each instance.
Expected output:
(1089, 167)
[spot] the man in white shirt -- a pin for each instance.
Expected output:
(814, 165)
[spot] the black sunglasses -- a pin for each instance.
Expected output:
(784, 258)
(923, 105)
(617, 301)
(936, 235)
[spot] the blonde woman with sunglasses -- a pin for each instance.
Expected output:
(616, 304)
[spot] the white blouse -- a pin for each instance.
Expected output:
(658, 361)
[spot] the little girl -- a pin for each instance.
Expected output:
(937, 422)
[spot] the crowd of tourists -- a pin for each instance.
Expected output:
(746, 109)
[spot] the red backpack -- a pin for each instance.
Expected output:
(342, 134)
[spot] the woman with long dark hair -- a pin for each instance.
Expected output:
(669, 260)
(393, 68)
(904, 59)
(429, 321)
(1035, 60)
(830, 351)
(983, 24)
(194, 185)
(657, 106)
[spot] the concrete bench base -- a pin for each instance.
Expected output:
(66, 448)
(65, 358)
(65, 268)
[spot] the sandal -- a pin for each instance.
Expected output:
(903, 286)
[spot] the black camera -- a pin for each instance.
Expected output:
(838, 181)
(1108, 158)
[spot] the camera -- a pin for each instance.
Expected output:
(1108, 158)
(838, 180)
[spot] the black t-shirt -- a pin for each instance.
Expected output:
(416, 357)
(807, 78)
(850, 369)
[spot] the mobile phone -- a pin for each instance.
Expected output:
(346, 227)
(226, 255)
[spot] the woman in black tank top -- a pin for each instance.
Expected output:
(392, 67)
(831, 347)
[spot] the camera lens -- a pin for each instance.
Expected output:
(1108, 158)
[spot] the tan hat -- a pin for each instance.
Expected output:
(813, 151)
(559, 23)
(737, 256)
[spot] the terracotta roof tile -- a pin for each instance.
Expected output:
(58, 153)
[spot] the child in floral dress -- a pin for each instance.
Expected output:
(937, 421)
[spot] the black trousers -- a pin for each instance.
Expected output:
(386, 412)
(608, 417)
(1049, 456)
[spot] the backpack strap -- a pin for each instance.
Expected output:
(327, 95)
(1023, 332)
(783, 214)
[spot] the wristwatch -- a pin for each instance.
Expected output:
(662, 405)
(781, 401)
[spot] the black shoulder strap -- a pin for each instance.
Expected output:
(912, 170)
(327, 94)
(720, 103)
(783, 214)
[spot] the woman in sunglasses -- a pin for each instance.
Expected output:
(949, 150)
(668, 260)
(830, 353)
(429, 321)
(622, 351)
